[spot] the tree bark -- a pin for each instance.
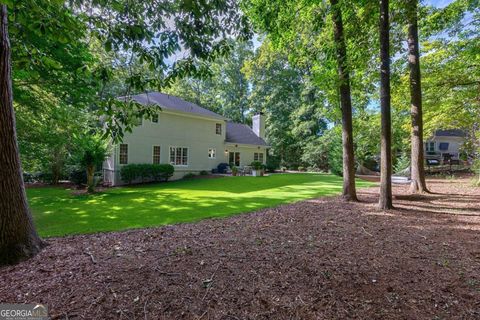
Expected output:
(418, 183)
(385, 201)
(18, 238)
(57, 164)
(349, 192)
(90, 178)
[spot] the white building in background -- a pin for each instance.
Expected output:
(444, 144)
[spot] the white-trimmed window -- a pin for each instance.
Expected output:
(155, 118)
(123, 153)
(218, 128)
(179, 156)
(212, 153)
(156, 155)
(258, 156)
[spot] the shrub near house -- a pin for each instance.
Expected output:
(146, 172)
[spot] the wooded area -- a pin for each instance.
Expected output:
(344, 85)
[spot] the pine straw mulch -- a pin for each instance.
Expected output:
(316, 259)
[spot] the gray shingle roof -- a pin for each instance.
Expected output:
(243, 134)
(173, 103)
(450, 133)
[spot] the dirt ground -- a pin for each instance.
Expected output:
(316, 259)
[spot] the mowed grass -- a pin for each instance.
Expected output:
(57, 212)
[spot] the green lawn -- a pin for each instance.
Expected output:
(57, 212)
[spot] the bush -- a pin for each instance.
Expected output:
(301, 169)
(78, 177)
(204, 173)
(146, 171)
(189, 175)
(128, 173)
(28, 177)
(89, 152)
(273, 163)
(402, 163)
(257, 165)
(222, 168)
(162, 171)
(315, 154)
(45, 177)
(333, 140)
(234, 171)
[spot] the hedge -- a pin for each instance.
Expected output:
(78, 177)
(146, 172)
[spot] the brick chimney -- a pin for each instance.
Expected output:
(258, 125)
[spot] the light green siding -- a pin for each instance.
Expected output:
(246, 153)
(196, 133)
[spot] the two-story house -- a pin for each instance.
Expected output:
(189, 137)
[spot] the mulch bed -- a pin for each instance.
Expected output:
(316, 259)
(34, 185)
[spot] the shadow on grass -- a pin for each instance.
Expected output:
(57, 212)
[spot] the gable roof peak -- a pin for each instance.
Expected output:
(173, 103)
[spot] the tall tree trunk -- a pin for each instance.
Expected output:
(18, 238)
(417, 157)
(385, 201)
(349, 192)
(57, 164)
(476, 133)
(90, 178)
